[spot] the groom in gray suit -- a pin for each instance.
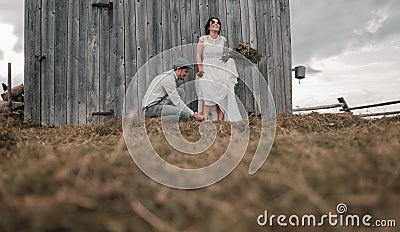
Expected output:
(163, 98)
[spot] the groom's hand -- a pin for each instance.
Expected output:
(198, 117)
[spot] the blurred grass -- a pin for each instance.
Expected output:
(83, 179)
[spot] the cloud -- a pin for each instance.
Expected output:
(310, 70)
(323, 29)
(12, 12)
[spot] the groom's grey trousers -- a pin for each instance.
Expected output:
(168, 110)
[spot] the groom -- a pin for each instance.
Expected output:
(163, 98)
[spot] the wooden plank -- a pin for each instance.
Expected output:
(278, 57)
(175, 31)
(287, 54)
(258, 41)
(117, 59)
(83, 71)
(234, 24)
(230, 23)
(9, 86)
(32, 37)
(254, 21)
(204, 13)
(142, 52)
(73, 63)
(141, 32)
(120, 69)
(368, 106)
(223, 18)
(191, 56)
(269, 49)
(213, 8)
(260, 34)
(60, 62)
(245, 20)
(155, 27)
(29, 46)
(175, 23)
(130, 49)
(187, 53)
(154, 32)
(93, 72)
(166, 35)
(283, 95)
(197, 27)
(47, 68)
(185, 15)
(231, 37)
(236, 29)
(320, 107)
(106, 56)
(247, 74)
(274, 83)
(380, 114)
(234, 37)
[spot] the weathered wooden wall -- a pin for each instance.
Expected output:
(79, 59)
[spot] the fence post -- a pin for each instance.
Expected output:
(9, 85)
(345, 106)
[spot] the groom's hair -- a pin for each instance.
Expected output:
(207, 26)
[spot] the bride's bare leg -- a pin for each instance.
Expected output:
(206, 110)
(220, 113)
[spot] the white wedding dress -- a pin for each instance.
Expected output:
(216, 87)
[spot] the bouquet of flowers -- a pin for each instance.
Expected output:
(241, 51)
(248, 52)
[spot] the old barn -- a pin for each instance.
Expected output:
(80, 55)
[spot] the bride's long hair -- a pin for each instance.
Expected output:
(207, 26)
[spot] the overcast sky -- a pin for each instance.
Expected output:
(351, 49)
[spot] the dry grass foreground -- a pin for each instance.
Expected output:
(83, 179)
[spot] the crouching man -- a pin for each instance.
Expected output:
(163, 98)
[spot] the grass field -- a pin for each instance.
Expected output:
(83, 179)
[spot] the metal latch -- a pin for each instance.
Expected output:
(40, 57)
(105, 5)
(109, 113)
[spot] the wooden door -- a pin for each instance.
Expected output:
(99, 99)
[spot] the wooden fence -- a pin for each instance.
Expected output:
(80, 55)
(345, 108)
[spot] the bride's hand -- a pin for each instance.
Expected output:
(225, 58)
(200, 73)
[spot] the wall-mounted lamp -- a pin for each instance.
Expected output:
(299, 72)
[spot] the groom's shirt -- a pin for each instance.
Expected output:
(161, 87)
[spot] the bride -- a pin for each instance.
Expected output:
(217, 79)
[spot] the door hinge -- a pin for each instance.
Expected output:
(105, 5)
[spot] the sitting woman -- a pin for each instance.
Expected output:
(217, 79)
